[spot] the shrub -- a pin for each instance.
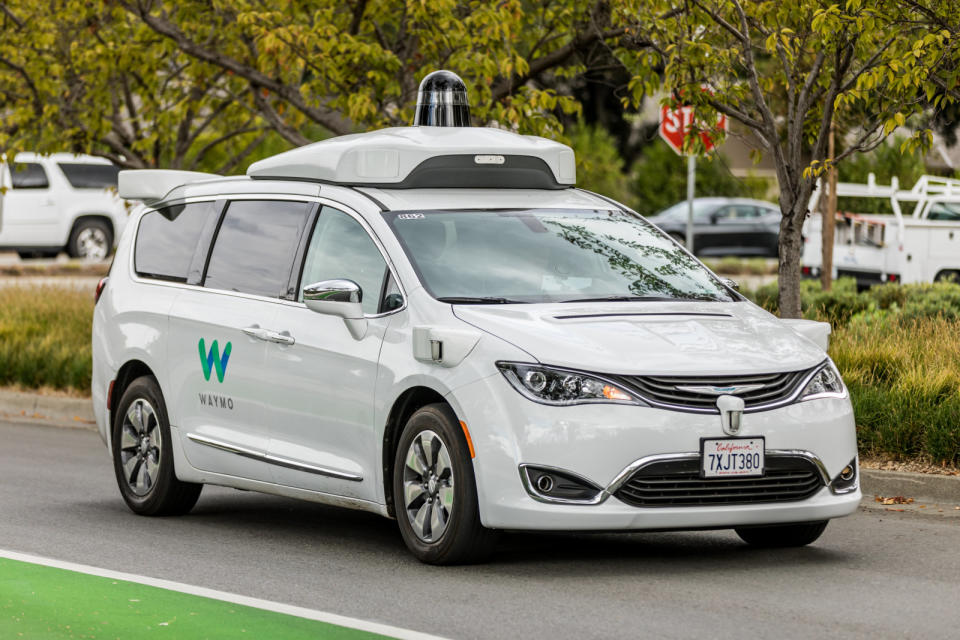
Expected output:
(45, 337)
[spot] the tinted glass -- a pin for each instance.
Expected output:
(549, 255)
(701, 211)
(341, 248)
(90, 176)
(28, 175)
(167, 240)
(944, 211)
(255, 247)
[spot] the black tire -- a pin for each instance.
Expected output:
(164, 494)
(947, 276)
(464, 539)
(782, 535)
(95, 227)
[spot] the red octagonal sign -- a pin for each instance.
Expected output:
(675, 125)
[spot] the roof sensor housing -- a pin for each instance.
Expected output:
(442, 101)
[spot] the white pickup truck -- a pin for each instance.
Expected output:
(60, 202)
(923, 246)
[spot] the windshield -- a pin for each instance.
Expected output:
(548, 255)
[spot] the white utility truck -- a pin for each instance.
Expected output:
(60, 202)
(922, 245)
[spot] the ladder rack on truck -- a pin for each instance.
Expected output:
(875, 248)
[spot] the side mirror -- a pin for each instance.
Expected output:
(732, 284)
(714, 217)
(339, 298)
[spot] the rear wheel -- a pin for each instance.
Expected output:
(782, 535)
(435, 492)
(91, 239)
(143, 454)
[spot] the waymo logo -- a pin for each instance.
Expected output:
(212, 359)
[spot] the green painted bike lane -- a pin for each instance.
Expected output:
(39, 602)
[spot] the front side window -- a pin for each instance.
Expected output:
(341, 248)
(944, 211)
(255, 246)
(549, 255)
(82, 175)
(167, 240)
(28, 175)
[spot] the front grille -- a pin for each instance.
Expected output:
(665, 391)
(677, 483)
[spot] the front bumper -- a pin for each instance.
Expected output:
(600, 443)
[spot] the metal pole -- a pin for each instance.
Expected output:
(691, 182)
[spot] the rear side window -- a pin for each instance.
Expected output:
(90, 176)
(28, 175)
(255, 247)
(167, 240)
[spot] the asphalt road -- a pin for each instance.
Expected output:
(876, 574)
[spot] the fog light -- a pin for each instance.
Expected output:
(545, 483)
(846, 480)
(556, 485)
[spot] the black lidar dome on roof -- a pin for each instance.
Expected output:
(442, 101)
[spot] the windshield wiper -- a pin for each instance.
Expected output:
(637, 299)
(478, 300)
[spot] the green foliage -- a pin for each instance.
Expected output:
(658, 179)
(599, 165)
(885, 162)
(45, 337)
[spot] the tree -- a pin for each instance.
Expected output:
(783, 69)
(88, 77)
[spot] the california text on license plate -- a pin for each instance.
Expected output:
(725, 457)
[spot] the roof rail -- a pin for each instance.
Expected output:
(151, 185)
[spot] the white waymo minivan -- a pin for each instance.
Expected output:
(431, 323)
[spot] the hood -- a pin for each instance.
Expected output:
(653, 338)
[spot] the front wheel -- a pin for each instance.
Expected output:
(435, 493)
(782, 535)
(143, 454)
(91, 239)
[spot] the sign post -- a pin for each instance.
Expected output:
(675, 125)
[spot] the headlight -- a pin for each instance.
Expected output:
(562, 386)
(825, 384)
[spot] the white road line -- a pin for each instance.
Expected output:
(247, 601)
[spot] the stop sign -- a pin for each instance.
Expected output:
(675, 125)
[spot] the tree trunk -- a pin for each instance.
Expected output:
(828, 216)
(791, 251)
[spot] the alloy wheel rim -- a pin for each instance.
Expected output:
(141, 441)
(92, 244)
(428, 486)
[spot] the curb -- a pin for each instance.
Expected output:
(72, 412)
(920, 486)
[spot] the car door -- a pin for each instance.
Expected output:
(30, 212)
(219, 333)
(734, 229)
(322, 384)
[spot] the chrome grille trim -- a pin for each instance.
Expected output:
(676, 482)
(664, 392)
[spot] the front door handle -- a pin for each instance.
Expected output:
(282, 337)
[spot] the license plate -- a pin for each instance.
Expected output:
(725, 457)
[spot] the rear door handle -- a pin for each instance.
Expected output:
(257, 332)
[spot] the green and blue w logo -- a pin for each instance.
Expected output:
(211, 360)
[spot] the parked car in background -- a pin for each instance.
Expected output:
(60, 202)
(725, 226)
